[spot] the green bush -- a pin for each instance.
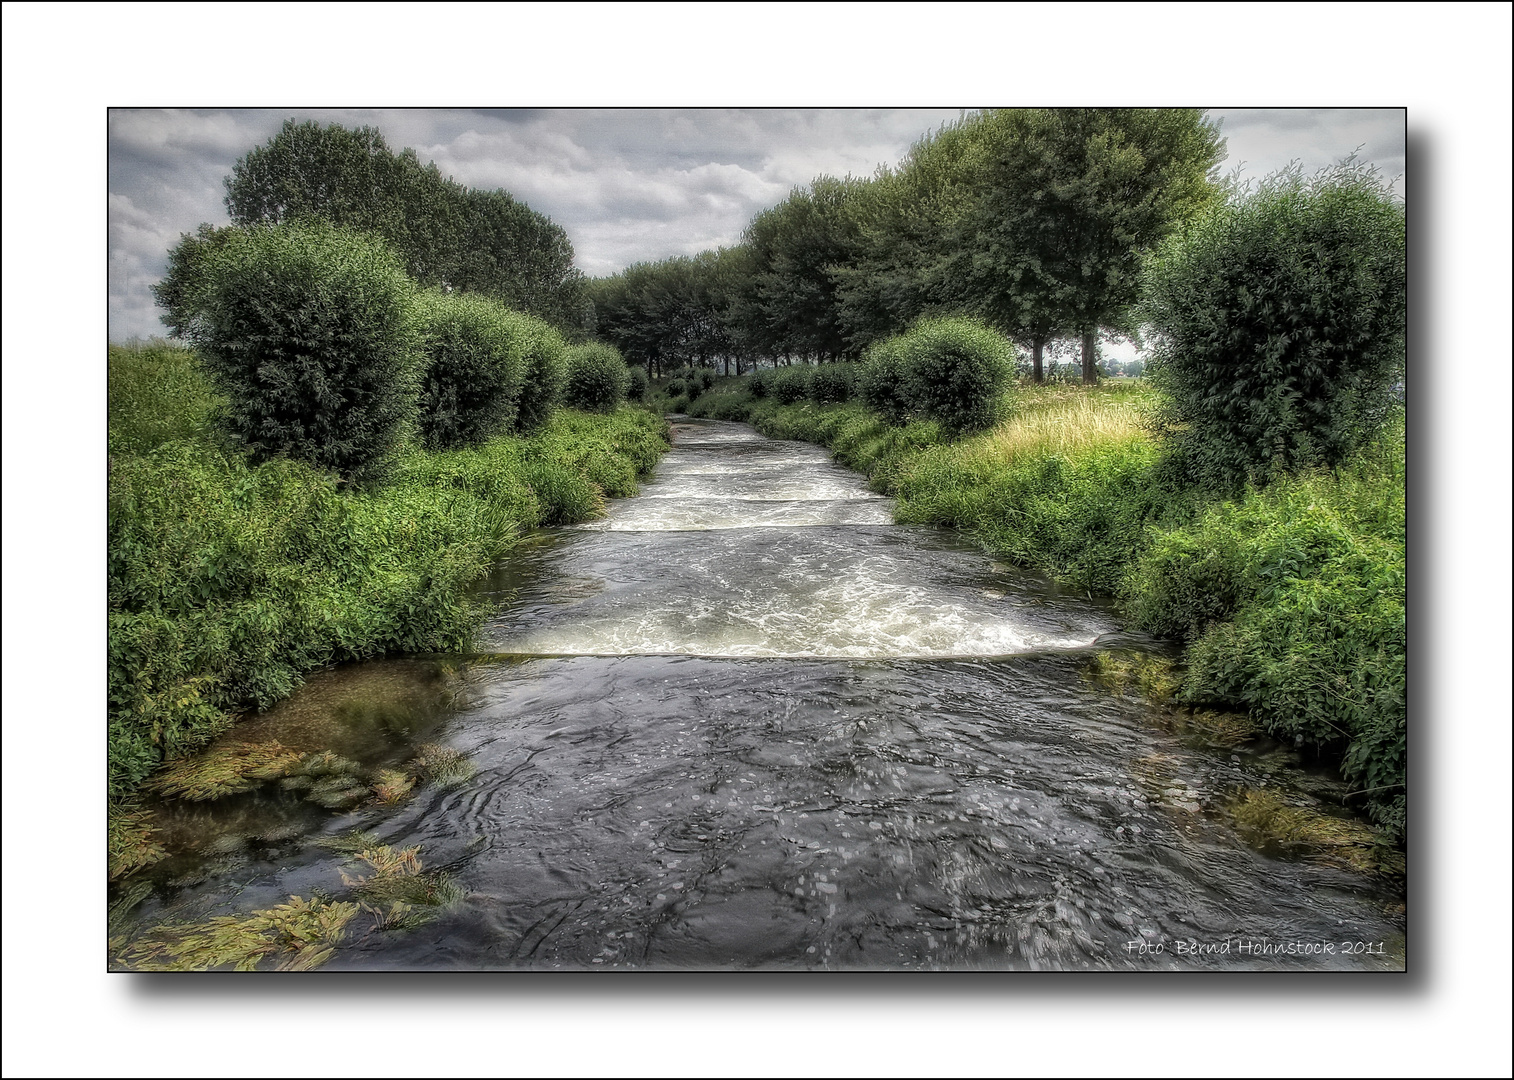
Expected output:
(475, 351)
(636, 389)
(790, 384)
(597, 378)
(1280, 325)
(156, 392)
(956, 371)
(308, 330)
(831, 384)
(546, 372)
(881, 384)
(760, 383)
(674, 388)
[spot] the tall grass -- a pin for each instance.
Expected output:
(156, 391)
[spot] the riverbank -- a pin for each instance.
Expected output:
(1290, 600)
(228, 582)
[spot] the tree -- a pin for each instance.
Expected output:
(1063, 205)
(177, 292)
(1279, 324)
(903, 221)
(448, 235)
(794, 248)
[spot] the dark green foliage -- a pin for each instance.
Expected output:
(671, 313)
(1280, 322)
(675, 388)
(955, 371)
(636, 388)
(831, 384)
(447, 235)
(475, 361)
(227, 581)
(760, 385)
(308, 331)
(790, 384)
(155, 393)
(1062, 205)
(177, 293)
(882, 380)
(597, 378)
(546, 372)
(788, 289)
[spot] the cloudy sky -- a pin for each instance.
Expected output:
(626, 184)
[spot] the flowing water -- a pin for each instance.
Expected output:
(747, 722)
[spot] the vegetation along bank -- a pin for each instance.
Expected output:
(253, 540)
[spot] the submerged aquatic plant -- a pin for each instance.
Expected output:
(399, 894)
(131, 842)
(1267, 822)
(1155, 677)
(391, 786)
(440, 766)
(299, 936)
(349, 843)
(229, 769)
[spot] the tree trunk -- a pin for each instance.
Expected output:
(1037, 347)
(1090, 357)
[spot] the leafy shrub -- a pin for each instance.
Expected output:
(831, 384)
(790, 384)
(674, 388)
(308, 331)
(475, 350)
(956, 371)
(760, 384)
(156, 392)
(636, 389)
(545, 375)
(1280, 320)
(882, 381)
(597, 378)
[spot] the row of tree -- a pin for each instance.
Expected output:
(1035, 221)
(325, 351)
(448, 236)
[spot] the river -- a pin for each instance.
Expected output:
(745, 721)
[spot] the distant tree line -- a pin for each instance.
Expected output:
(1033, 221)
